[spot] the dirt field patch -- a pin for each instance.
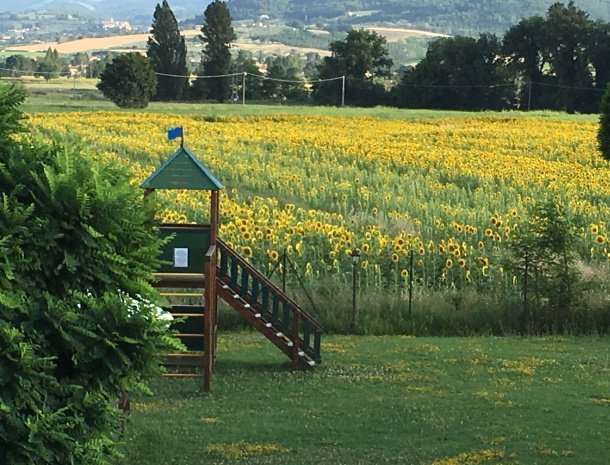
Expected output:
(97, 43)
(398, 34)
(114, 42)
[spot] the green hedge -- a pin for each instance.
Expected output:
(78, 322)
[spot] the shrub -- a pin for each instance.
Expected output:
(78, 322)
(543, 254)
(129, 81)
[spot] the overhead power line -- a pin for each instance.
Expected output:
(559, 86)
(492, 86)
(460, 86)
(54, 73)
(191, 76)
(267, 78)
(258, 76)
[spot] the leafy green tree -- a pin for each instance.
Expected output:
(78, 321)
(524, 45)
(128, 80)
(560, 59)
(600, 53)
(460, 73)
(284, 82)
(245, 63)
(603, 134)
(312, 66)
(569, 30)
(217, 33)
(97, 65)
(167, 54)
(18, 65)
(50, 66)
(363, 58)
(542, 251)
(81, 61)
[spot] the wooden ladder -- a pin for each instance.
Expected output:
(186, 294)
(262, 304)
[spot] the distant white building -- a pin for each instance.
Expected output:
(112, 24)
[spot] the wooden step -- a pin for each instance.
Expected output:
(179, 280)
(186, 360)
(181, 294)
(186, 354)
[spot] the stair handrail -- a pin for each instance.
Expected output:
(285, 258)
(263, 279)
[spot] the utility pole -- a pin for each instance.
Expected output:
(343, 91)
(243, 88)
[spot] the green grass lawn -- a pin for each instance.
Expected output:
(375, 400)
(60, 95)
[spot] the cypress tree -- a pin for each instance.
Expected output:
(167, 54)
(217, 34)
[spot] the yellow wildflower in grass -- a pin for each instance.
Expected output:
(600, 400)
(487, 456)
(210, 420)
(497, 399)
(524, 366)
(242, 450)
(547, 451)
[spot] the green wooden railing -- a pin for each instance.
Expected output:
(266, 298)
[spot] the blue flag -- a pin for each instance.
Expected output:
(173, 133)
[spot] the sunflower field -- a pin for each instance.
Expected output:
(433, 204)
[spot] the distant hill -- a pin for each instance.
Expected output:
(448, 16)
(138, 10)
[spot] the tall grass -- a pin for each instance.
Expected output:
(447, 312)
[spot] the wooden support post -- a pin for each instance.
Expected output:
(296, 321)
(211, 298)
(214, 208)
(210, 316)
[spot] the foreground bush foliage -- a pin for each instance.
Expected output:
(78, 321)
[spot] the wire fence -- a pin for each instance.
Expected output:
(306, 83)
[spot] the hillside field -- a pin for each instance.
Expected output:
(139, 40)
(435, 205)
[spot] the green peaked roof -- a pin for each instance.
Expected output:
(182, 171)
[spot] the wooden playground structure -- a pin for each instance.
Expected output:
(201, 269)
